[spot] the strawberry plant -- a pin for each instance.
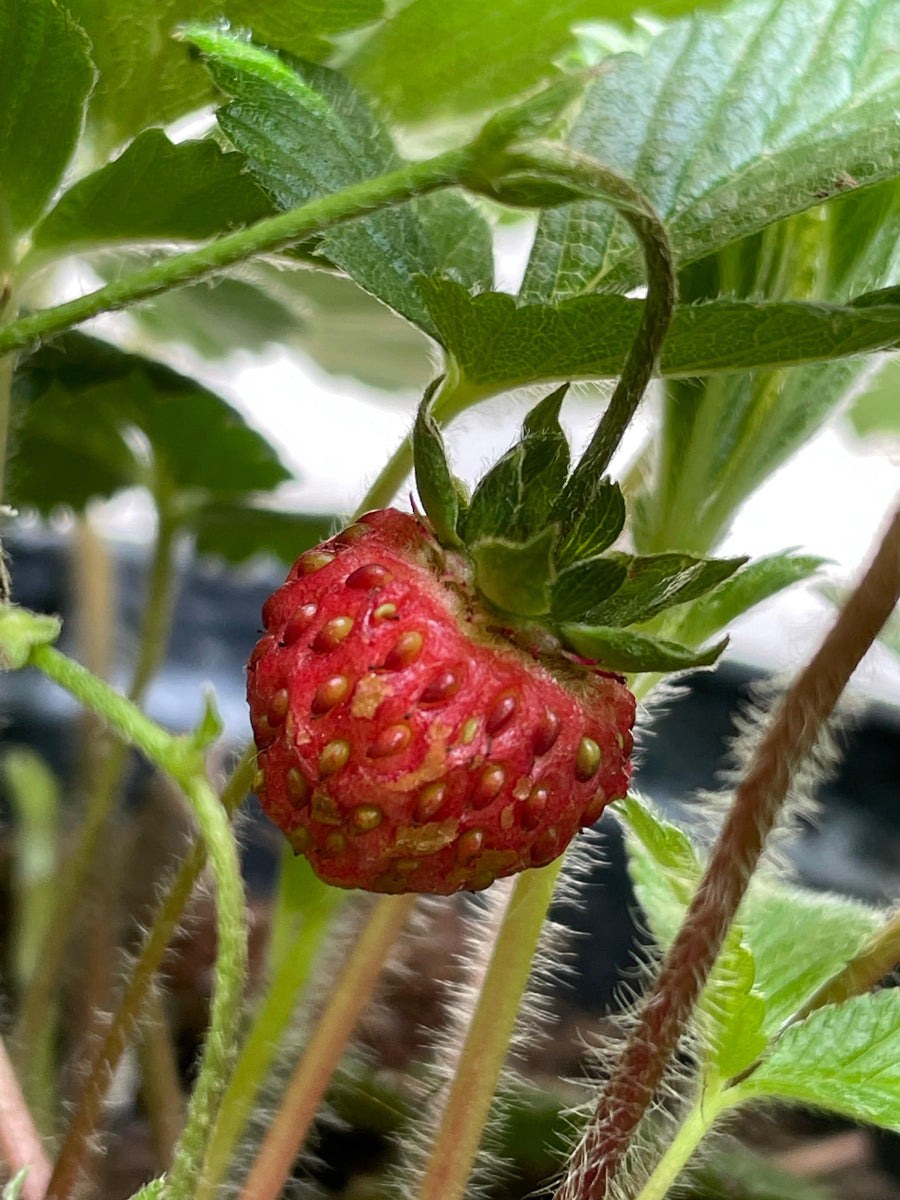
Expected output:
(441, 699)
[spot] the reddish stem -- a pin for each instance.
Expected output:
(19, 1139)
(796, 723)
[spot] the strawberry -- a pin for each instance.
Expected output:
(406, 741)
(436, 701)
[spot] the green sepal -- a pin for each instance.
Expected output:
(580, 588)
(439, 490)
(749, 586)
(625, 650)
(655, 582)
(587, 530)
(514, 499)
(514, 576)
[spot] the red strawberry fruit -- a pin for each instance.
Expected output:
(406, 741)
(434, 701)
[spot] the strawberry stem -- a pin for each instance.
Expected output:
(78, 1139)
(182, 760)
(487, 1040)
(591, 180)
(290, 975)
(265, 236)
(322, 1054)
(796, 723)
(42, 988)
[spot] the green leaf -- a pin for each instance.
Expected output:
(500, 344)
(239, 532)
(78, 403)
(799, 939)
(342, 328)
(307, 132)
(149, 78)
(659, 581)
(154, 191)
(579, 589)
(516, 576)
(45, 77)
(592, 530)
(475, 55)
(727, 124)
(623, 650)
(721, 437)
(514, 499)
(438, 488)
(749, 586)
(843, 1058)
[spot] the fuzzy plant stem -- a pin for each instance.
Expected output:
(322, 1054)
(590, 180)
(181, 758)
(487, 1040)
(19, 1139)
(796, 723)
(77, 1143)
(266, 236)
(454, 396)
(41, 991)
(690, 1134)
(290, 976)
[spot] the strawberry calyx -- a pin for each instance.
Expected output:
(535, 561)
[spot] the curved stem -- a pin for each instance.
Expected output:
(796, 723)
(181, 759)
(231, 966)
(592, 180)
(487, 1040)
(272, 233)
(77, 1143)
(323, 1053)
(154, 637)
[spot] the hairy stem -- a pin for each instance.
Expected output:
(321, 1056)
(796, 723)
(77, 1143)
(455, 395)
(291, 974)
(231, 969)
(594, 181)
(487, 1041)
(266, 236)
(700, 1119)
(19, 1139)
(39, 998)
(182, 760)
